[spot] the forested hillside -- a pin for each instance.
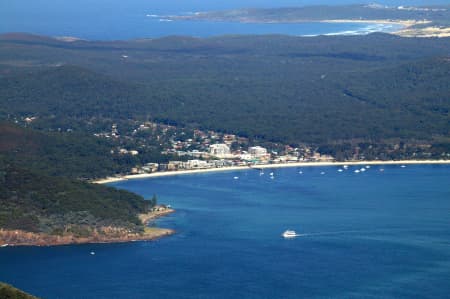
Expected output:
(39, 203)
(59, 154)
(319, 90)
(41, 190)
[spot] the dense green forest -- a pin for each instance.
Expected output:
(10, 292)
(320, 90)
(58, 154)
(40, 191)
(39, 203)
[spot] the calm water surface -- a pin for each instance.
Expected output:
(374, 234)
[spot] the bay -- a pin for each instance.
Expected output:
(371, 234)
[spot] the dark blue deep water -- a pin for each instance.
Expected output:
(118, 19)
(368, 235)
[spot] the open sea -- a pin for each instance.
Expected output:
(117, 19)
(374, 234)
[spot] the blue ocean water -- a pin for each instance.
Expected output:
(377, 234)
(114, 19)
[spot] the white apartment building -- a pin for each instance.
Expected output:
(257, 151)
(219, 150)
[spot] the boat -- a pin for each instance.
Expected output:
(289, 234)
(356, 171)
(340, 170)
(4, 245)
(236, 178)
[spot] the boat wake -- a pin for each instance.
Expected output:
(344, 232)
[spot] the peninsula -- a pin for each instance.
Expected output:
(9, 292)
(431, 21)
(104, 234)
(43, 204)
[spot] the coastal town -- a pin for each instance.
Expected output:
(192, 149)
(158, 148)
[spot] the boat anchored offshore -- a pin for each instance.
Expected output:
(289, 234)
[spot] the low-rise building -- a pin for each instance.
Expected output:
(196, 164)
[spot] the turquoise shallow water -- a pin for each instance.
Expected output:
(369, 235)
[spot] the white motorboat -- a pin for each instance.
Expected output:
(289, 234)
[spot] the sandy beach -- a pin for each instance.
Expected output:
(404, 23)
(407, 29)
(265, 166)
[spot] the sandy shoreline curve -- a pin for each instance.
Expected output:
(264, 166)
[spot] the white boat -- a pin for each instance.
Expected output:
(403, 166)
(289, 234)
(356, 171)
(236, 178)
(362, 169)
(345, 166)
(4, 245)
(340, 170)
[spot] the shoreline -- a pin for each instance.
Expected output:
(148, 217)
(405, 23)
(16, 237)
(264, 166)
(407, 26)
